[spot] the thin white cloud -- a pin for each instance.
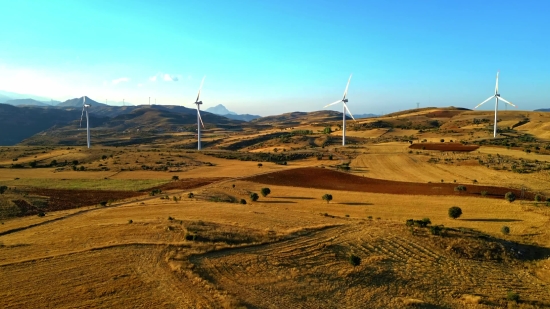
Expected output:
(140, 85)
(170, 78)
(120, 80)
(165, 77)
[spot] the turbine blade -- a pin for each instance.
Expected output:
(496, 87)
(502, 99)
(346, 92)
(333, 103)
(82, 116)
(200, 88)
(346, 107)
(484, 102)
(200, 118)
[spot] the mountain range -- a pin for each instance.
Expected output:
(223, 111)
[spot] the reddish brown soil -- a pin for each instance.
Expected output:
(444, 147)
(322, 178)
(67, 199)
(187, 183)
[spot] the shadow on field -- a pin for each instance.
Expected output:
(492, 220)
(356, 204)
(278, 202)
(294, 197)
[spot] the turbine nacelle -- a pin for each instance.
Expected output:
(198, 102)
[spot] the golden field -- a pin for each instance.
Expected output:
(290, 249)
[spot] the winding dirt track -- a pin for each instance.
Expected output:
(322, 178)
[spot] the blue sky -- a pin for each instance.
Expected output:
(271, 57)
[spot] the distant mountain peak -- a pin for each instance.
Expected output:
(220, 110)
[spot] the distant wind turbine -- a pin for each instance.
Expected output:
(497, 97)
(85, 107)
(199, 119)
(344, 100)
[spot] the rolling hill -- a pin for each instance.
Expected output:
(18, 102)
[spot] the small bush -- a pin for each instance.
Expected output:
(190, 195)
(130, 221)
(41, 214)
(103, 203)
(190, 237)
(513, 296)
(327, 197)
(243, 201)
(354, 260)
(510, 197)
(460, 188)
(538, 198)
(436, 230)
(265, 192)
(254, 196)
(3, 189)
(505, 230)
(409, 222)
(474, 181)
(260, 165)
(175, 178)
(484, 193)
(455, 212)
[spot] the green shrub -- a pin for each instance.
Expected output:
(538, 198)
(103, 203)
(243, 201)
(190, 195)
(41, 214)
(354, 260)
(437, 230)
(327, 197)
(505, 230)
(460, 188)
(265, 192)
(484, 193)
(254, 196)
(455, 212)
(175, 178)
(510, 196)
(409, 222)
(3, 189)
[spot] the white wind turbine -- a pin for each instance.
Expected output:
(497, 97)
(85, 107)
(199, 119)
(344, 109)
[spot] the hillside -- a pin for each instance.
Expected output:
(78, 102)
(297, 118)
(18, 102)
(18, 123)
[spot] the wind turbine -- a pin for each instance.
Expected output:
(344, 109)
(85, 107)
(199, 119)
(497, 97)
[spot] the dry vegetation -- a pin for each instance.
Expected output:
(179, 229)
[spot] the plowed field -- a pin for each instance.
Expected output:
(444, 147)
(321, 178)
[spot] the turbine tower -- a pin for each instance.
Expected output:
(199, 119)
(344, 109)
(497, 97)
(85, 108)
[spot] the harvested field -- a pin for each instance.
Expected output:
(444, 147)
(321, 178)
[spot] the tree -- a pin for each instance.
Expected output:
(260, 165)
(265, 192)
(75, 162)
(104, 157)
(175, 178)
(33, 164)
(103, 203)
(442, 140)
(327, 197)
(3, 189)
(254, 196)
(53, 163)
(505, 230)
(327, 130)
(243, 201)
(190, 195)
(455, 212)
(510, 196)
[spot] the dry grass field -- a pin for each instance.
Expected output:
(181, 230)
